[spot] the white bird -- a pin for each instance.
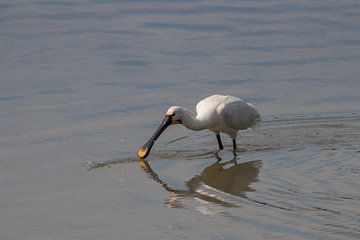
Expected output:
(218, 113)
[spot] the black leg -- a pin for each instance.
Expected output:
(234, 144)
(234, 148)
(221, 147)
(218, 158)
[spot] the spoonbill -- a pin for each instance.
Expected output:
(218, 113)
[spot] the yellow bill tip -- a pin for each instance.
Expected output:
(142, 152)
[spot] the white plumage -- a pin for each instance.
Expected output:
(218, 113)
(227, 114)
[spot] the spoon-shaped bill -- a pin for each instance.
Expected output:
(145, 149)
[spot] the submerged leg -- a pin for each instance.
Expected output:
(218, 158)
(221, 147)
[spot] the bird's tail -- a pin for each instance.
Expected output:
(257, 117)
(257, 121)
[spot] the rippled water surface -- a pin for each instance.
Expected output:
(84, 83)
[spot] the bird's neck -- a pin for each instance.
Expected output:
(191, 122)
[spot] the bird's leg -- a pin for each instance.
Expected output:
(221, 147)
(234, 147)
(218, 158)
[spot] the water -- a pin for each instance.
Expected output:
(84, 83)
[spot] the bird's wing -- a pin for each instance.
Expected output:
(207, 107)
(239, 114)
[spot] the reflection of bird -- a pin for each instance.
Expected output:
(218, 113)
(228, 177)
(235, 179)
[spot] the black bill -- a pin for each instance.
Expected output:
(145, 149)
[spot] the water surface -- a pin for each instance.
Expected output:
(84, 83)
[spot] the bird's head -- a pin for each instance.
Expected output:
(176, 114)
(173, 116)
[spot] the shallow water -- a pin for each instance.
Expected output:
(84, 83)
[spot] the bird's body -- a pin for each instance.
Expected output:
(218, 113)
(226, 114)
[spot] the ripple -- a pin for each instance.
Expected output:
(305, 61)
(294, 178)
(185, 26)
